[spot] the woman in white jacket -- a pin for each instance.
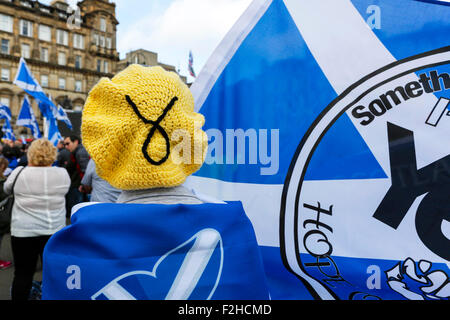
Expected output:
(38, 211)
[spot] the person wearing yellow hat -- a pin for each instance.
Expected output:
(161, 240)
(130, 128)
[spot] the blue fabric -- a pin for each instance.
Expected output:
(109, 241)
(29, 84)
(28, 119)
(273, 82)
(8, 132)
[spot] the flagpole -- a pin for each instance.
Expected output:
(45, 127)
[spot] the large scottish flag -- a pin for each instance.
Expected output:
(329, 120)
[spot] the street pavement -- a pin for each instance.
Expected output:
(6, 276)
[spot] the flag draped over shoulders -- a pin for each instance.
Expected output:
(146, 252)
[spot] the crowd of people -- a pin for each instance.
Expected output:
(47, 182)
(127, 126)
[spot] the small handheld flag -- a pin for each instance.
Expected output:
(5, 112)
(7, 130)
(28, 119)
(61, 115)
(191, 65)
(54, 135)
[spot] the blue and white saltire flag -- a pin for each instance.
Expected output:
(54, 135)
(27, 119)
(25, 80)
(329, 120)
(8, 132)
(61, 115)
(209, 257)
(5, 112)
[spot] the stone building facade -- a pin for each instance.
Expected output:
(145, 58)
(67, 49)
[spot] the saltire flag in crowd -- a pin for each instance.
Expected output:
(5, 112)
(61, 115)
(191, 65)
(28, 119)
(48, 111)
(329, 120)
(8, 131)
(25, 80)
(54, 135)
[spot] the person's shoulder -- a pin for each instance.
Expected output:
(18, 169)
(81, 151)
(58, 170)
(11, 176)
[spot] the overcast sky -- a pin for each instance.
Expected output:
(173, 27)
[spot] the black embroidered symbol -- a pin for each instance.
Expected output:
(155, 126)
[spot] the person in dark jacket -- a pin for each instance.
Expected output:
(12, 154)
(63, 155)
(23, 160)
(76, 167)
(3, 229)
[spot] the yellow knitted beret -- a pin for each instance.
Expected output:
(141, 130)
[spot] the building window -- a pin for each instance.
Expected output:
(5, 74)
(102, 41)
(25, 51)
(108, 43)
(26, 28)
(5, 101)
(103, 24)
(99, 65)
(62, 83)
(96, 40)
(78, 41)
(44, 54)
(62, 58)
(44, 81)
(26, 4)
(78, 86)
(62, 37)
(5, 46)
(45, 33)
(78, 62)
(105, 66)
(6, 23)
